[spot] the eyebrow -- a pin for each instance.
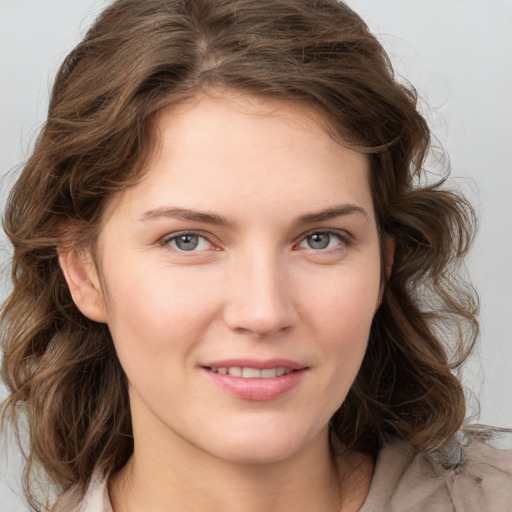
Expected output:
(186, 214)
(331, 213)
(217, 220)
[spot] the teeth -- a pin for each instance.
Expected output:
(235, 371)
(252, 373)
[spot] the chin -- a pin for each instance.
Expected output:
(262, 445)
(250, 454)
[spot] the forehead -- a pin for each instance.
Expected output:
(241, 152)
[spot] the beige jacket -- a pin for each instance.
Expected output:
(474, 477)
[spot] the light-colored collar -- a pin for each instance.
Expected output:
(96, 499)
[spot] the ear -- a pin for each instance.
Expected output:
(82, 278)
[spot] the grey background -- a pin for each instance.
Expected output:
(456, 52)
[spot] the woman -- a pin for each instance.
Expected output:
(233, 288)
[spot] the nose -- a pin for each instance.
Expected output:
(259, 296)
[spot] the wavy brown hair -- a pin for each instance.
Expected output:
(140, 56)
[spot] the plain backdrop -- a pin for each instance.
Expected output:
(457, 53)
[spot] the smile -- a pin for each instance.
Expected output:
(258, 380)
(252, 373)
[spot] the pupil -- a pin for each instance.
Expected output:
(319, 240)
(187, 242)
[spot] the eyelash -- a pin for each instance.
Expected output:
(344, 238)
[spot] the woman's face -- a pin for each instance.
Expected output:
(240, 279)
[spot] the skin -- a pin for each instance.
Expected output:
(254, 287)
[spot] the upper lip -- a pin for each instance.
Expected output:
(255, 363)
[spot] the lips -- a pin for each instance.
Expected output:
(255, 380)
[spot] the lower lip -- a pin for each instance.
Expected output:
(256, 389)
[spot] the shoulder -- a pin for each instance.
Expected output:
(96, 498)
(472, 474)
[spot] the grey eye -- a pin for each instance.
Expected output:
(186, 242)
(318, 240)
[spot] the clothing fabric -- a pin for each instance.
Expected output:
(470, 475)
(473, 478)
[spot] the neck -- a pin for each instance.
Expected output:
(166, 472)
(155, 483)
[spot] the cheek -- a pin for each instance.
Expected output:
(342, 317)
(158, 311)
(338, 317)
(346, 302)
